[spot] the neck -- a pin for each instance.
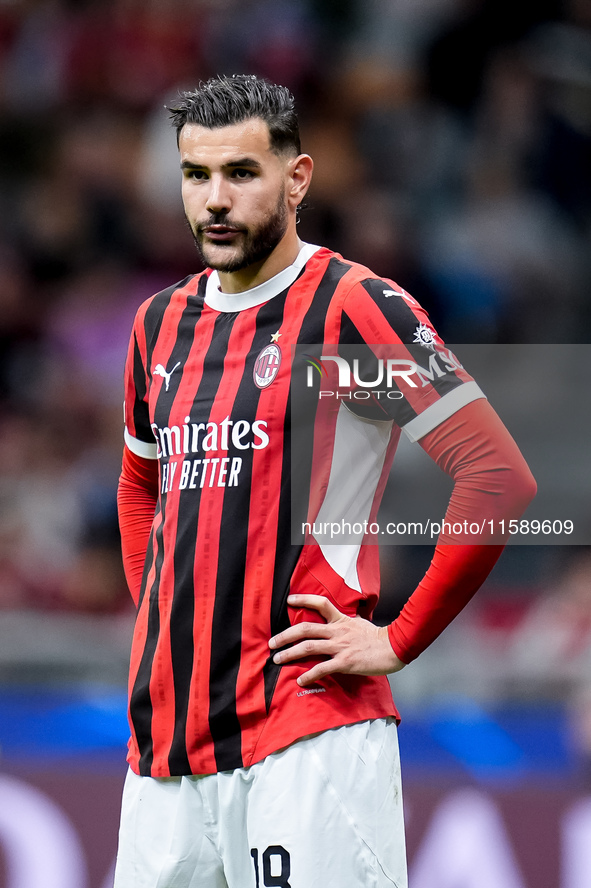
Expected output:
(282, 256)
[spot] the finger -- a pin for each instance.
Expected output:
(306, 648)
(314, 675)
(316, 602)
(298, 632)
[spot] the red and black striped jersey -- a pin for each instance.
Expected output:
(210, 391)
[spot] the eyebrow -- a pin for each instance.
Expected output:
(248, 162)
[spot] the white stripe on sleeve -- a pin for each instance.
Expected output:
(430, 418)
(141, 448)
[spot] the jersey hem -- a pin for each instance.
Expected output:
(282, 740)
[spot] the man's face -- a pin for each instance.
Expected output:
(233, 193)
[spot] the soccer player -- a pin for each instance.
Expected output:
(263, 745)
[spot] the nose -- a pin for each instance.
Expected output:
(218, 200)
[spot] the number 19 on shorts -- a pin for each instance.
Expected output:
(275, 865)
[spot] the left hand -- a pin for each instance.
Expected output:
(353, 645)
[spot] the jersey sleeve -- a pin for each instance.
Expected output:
(492, 486)
(137, 494)
(139, 437)
(423, 382)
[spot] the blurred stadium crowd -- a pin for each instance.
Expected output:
(452, 141)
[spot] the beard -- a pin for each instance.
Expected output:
(257, 243)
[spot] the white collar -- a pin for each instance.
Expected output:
(228, 302)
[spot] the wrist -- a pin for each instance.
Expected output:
(395, 664)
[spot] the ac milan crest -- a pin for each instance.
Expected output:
(267, 366)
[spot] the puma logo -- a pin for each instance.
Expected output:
(160, 371)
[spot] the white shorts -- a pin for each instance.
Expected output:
(325, 812)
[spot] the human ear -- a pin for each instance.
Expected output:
(300, 176)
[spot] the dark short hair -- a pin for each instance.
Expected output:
(223, 101)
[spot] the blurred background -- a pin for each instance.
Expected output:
(452, 141)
